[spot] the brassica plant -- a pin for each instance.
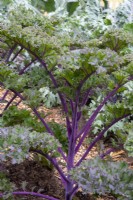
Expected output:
(99, 70)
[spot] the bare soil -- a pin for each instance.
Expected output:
(32, 176)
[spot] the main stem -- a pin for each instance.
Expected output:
(68, 197)
(31, 194)
(71, 150)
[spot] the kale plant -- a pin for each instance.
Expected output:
(99, 70)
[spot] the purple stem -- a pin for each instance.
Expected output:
(64, 104)
(9, 103)
(96, 112)
(81, 85)
(75, 118)
(75, 108)
(4, 96)
(53, 161)
(43, 121)
(72, 105)
(18, 102)
(63, 101)
(72, 142)
(84, 80)
(107, 152)
(100, 135)
(48, 129)
(10, 52)
(69, 128)
(74, 190)
(85, 99)
(89, 123)
(32, 194)
(71, 149)
(36, 112)
(16, 54)
(45, 124)
(22, 70)
(72, 139)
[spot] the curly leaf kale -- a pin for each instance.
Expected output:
(16, 141)
(100, 177)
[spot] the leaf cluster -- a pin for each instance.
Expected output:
(100, 177)
(13, 146)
